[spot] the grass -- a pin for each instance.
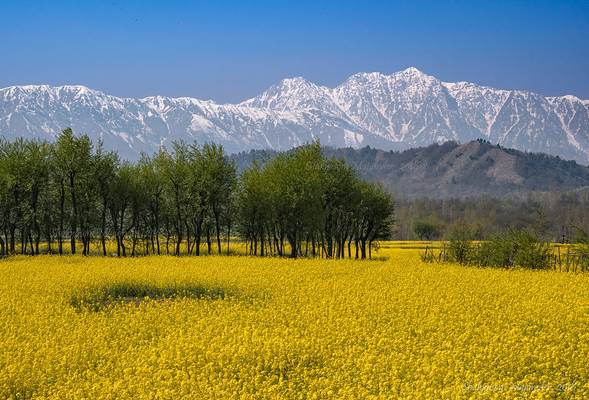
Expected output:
(116, 293)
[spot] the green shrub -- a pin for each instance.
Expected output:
(515, 248)
(426, 230)
(582, 247)
(460, 246)
(103, 297)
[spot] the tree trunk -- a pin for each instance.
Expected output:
(187, 226)
(74, 216)
(198, 237)
(218, 231)
(293, 246)
(133, 245)
(36, 229)
(12, 239)
(31, 243)
(228, 235)
(178, 239)
(178, 220)
(61, 217)
(103, 228)
(118, 244)
(157, 229)
(23, 242)
(48, 234)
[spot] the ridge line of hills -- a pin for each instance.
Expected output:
(453, 170)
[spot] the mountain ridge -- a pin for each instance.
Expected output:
(405, 109)
(453, 170)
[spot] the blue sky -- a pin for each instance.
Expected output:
(231, 50)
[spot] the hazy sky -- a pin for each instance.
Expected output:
(231, 50)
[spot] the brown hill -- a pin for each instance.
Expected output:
(456, 170)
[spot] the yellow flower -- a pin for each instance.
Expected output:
(250, 328)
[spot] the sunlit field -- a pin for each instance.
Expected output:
(218, 327)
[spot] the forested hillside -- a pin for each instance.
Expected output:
(453, 170)
(553, 216)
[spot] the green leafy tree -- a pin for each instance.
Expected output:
(73, 157)
(426, 230)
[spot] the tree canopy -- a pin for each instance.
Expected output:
(183, 199)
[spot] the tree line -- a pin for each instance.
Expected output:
(552, 216)
(73, 197)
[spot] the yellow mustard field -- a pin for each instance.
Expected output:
(238, 327)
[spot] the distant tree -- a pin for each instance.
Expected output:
(340, 200)
(219, 180)
(104, 169)
(295, 204)
(37, 175)
(152, 184)
(176, 172)
(72, 160)
(375, 216)
(426, 230)
(254, 209)
(120, 198)
(298, 182)
(460, 243)
(16, 185)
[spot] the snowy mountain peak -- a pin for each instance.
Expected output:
(75, 89)
(404, 109)
(294, 94)
(295, 81)
(413, 72)
(366, 77)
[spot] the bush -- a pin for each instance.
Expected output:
(99, 298)
(460, 244)
(582, 247)
(515, 248)
(426, 230)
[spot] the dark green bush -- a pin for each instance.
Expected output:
(582, 247)
(460, 247)
(426, 230)
(103, 297)
(514, 248)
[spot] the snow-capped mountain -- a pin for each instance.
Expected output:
(405, 109)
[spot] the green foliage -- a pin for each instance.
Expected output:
(299, 203)
(101, 298)
(460, 247)
(514, 248)
(426, 230)
(582, 247)
(314, 204)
